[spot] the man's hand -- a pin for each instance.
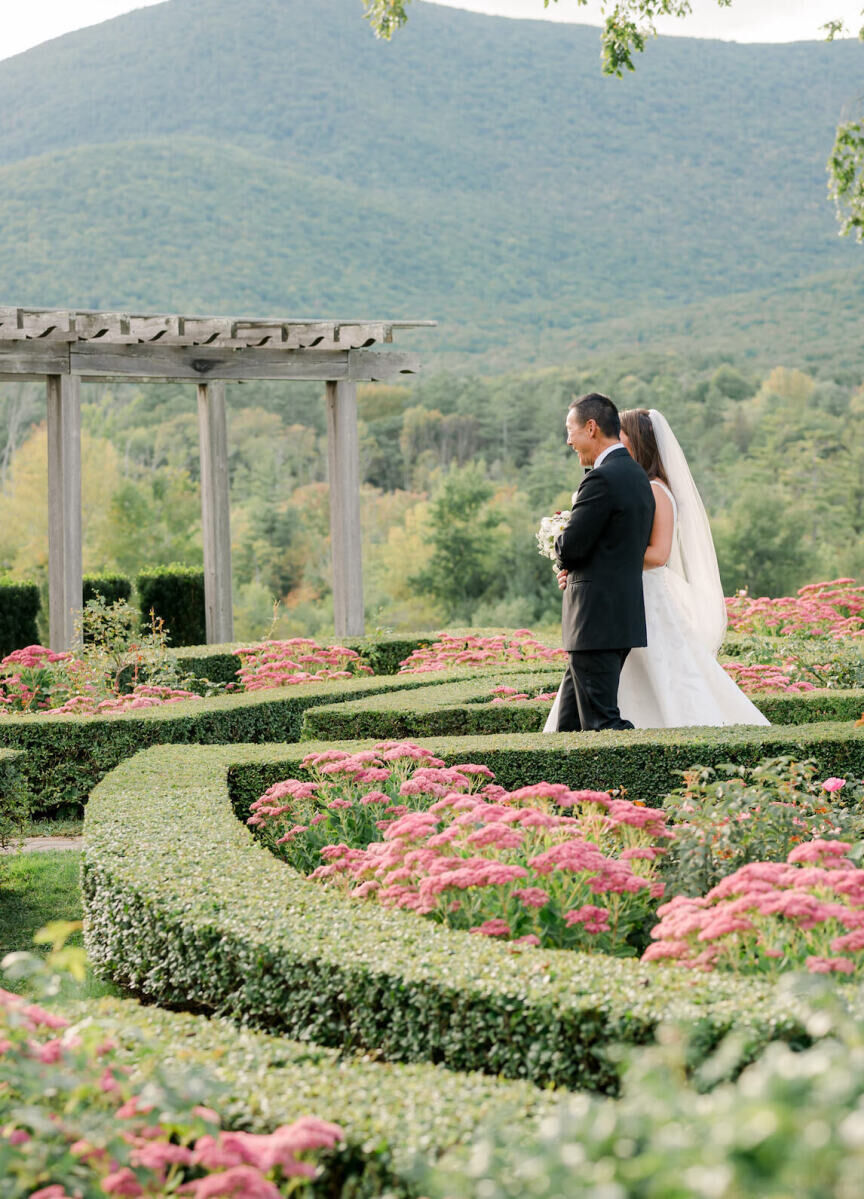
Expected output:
(562, 579)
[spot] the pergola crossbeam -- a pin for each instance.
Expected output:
(66, 347)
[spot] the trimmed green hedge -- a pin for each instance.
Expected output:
(65, 756)
(111, 588)
(19, 608)
(647, 763)
(465, 708)
(176, 595)
(185, 908)
(462, 708)
(392, 1115)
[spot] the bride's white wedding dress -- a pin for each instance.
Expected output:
(675, 681)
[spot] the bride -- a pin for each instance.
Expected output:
(675, 680)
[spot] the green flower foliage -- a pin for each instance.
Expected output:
(732, 815)
(185, 908)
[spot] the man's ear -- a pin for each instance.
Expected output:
(591, 427)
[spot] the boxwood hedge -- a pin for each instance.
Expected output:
(184, 908)
(647, 763)
(465, 708)
(392, 1115)
(65, 756)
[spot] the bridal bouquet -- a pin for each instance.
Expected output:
(550, 527)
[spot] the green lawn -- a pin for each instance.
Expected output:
(36, 888)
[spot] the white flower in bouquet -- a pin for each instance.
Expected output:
(550, 527)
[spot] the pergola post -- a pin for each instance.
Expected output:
(343, 459)
(64, 509)
(215, 512)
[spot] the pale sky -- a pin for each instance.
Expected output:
(27, 24)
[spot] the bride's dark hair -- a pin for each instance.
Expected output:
(636, 423)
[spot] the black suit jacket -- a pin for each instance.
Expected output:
(603, 548)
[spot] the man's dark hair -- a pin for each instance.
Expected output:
(600, 409)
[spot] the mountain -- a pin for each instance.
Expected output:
(201, 155)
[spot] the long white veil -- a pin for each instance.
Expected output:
(693, 556)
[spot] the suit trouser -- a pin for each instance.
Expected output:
(589, 696)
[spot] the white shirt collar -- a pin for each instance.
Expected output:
(619, 445)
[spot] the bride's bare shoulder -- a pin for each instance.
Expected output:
(662, 497)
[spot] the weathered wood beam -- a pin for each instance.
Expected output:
(34, 358)
(64, 509)
(343, 459)
(215, 512)
(202, 363)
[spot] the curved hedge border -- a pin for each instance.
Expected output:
(65, 756)
(391, 1114)
(186, 909)
(455, 708)
(647, 763)
(464, 709)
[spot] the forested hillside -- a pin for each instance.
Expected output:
(196, 156)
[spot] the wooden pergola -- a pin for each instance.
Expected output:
(66, 348)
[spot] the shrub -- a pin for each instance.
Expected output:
(108, 588)
(469, 707)
(732, 815)
(392, 1115)
(64, 756)
(174, 595)
(772, 916)
(15, 804)
(790, 1126)
(19, 609)
(212, 921)
(494, 863)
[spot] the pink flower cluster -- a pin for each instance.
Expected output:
(133, 1153)
(830, 609)
(450, 651)
(145, 695)
(297, 660)
(767, 916)
(753, 679)
(532, 865)
(509, 695)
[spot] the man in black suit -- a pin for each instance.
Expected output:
(600, 556)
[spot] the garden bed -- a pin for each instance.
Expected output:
(393, 1116)
(186, 909)
(63, 756)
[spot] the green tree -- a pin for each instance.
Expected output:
(467, 541)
